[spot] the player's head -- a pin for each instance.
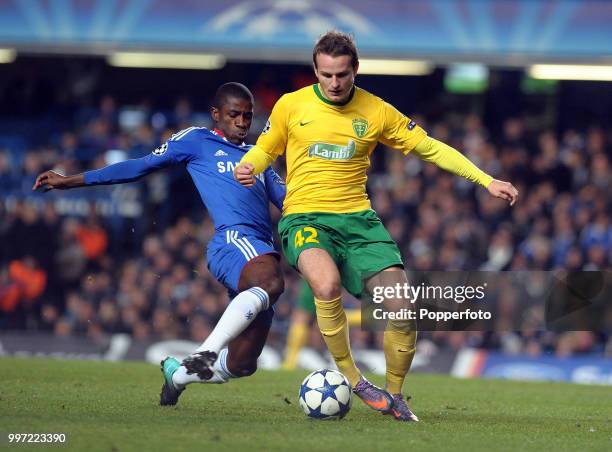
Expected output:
(232, 111)
(336, 62)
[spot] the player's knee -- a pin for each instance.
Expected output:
(274, 286)
(326, 289)
(386, 278)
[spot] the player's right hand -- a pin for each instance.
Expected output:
(244, 174)
(52, 180)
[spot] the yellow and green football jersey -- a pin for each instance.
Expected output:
(328, 146)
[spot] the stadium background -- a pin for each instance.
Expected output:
(117, 272)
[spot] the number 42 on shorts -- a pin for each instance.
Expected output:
(305, 235)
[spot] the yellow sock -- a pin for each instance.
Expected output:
(399, 345)
(296, 339)
(334, 328)
(353, 316)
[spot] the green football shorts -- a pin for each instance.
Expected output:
(358, 242)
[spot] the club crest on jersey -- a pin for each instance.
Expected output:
(360, 126)
(266, 129)
(332, 151)
(160, 150)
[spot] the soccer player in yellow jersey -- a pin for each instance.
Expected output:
(328, 230)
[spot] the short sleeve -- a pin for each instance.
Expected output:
(399, 131)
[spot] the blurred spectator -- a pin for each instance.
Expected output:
(20, 288)
(92, 237)
(7, 176)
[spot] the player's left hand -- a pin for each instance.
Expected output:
(503, 190)
(244, 174)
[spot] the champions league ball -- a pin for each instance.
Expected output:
(326, 394)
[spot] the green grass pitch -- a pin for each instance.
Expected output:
(113, 407)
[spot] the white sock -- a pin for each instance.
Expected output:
(238, 315)
(180, 378)
(220, 369)
(221, 373)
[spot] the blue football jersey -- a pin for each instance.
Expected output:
(210, 160)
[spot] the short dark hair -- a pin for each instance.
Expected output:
(231, 89)
(336, 43)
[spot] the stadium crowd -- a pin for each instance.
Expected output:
(140, 268)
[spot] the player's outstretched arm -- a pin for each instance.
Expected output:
(117, 173)
(51, 180)
(449, 159)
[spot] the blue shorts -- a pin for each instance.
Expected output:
(228, 253)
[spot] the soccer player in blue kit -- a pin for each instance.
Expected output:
(241, 254)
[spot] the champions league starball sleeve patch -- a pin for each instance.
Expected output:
(161, 150)
(267, 127)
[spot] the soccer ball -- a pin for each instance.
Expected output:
(326, 394)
